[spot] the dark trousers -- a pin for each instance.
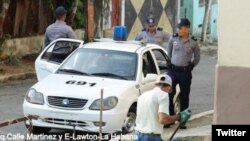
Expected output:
(184, 80)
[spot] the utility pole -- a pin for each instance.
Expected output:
(90, 21)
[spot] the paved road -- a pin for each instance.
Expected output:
(201, 98)
(202, 88)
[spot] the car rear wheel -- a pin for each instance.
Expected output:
(129, 123)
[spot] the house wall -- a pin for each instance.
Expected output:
(231, 102)
(21, 47)
(198, 16)
(195, 14)
(186, 11)
(214, 22)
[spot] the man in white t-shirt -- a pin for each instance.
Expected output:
(153, 111)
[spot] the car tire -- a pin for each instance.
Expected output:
(129, 122)
(38, 130)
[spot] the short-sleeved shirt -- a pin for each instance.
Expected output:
(149, 104)
(159, 37)
(182, 53)
(59, 29)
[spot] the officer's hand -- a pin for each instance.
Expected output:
(190, 67)
(184, 116)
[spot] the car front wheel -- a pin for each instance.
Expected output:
(129, 123)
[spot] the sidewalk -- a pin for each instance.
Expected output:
(199, 129)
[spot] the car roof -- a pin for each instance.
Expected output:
(128, 46)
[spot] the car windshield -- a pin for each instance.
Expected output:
(104, 63)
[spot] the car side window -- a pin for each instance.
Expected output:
(148, 65)
(161, 59)
(60, 51)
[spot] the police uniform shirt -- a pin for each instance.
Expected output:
(149, 104)
(59, 29)
(182, 53)
(158, 37)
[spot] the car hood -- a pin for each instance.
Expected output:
(81, 86)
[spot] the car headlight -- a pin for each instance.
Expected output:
(34, 97)
(108, 103)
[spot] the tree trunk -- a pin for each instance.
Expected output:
(72, 12)
(206, 20)
(1, 17)
(98, 15)
(9, 18)
(45, 15)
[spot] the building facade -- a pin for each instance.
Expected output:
(136, 12)
(194, 10)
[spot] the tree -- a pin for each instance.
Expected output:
(31, 17)
(72, 12)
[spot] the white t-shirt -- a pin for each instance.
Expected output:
(149, 104)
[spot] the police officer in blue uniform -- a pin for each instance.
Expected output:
(59, 29)
(184, 53)
(152, 33)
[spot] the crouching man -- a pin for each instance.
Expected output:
(153, 111)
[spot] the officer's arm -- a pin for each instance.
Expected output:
(46, 39)
(139, 36)
(196, 54)
(71, 33)
(170, 47)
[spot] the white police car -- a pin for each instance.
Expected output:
(67, 94)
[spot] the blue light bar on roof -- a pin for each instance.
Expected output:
(120, 33)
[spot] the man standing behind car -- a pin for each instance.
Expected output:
(184, 53)
(59, 29)
(153, 111)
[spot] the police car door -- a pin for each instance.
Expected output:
(161, 59)
(149, 71)
(53, 55)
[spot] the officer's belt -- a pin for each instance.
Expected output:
(180, 69)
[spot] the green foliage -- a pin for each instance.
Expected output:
(79, 21)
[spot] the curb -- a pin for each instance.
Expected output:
(196, 116)
(201, 136)
(19, 76)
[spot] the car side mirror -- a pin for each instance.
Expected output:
(150, 77)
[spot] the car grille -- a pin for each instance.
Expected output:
(65, 122)
(66, 102)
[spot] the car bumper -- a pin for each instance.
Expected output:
(82, 120)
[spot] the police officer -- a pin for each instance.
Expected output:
(152, 33)
(59, 29)
(184, 53)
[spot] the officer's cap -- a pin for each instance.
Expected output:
(183, 22)
(60, 11)
(151, 20)
(165, 79)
